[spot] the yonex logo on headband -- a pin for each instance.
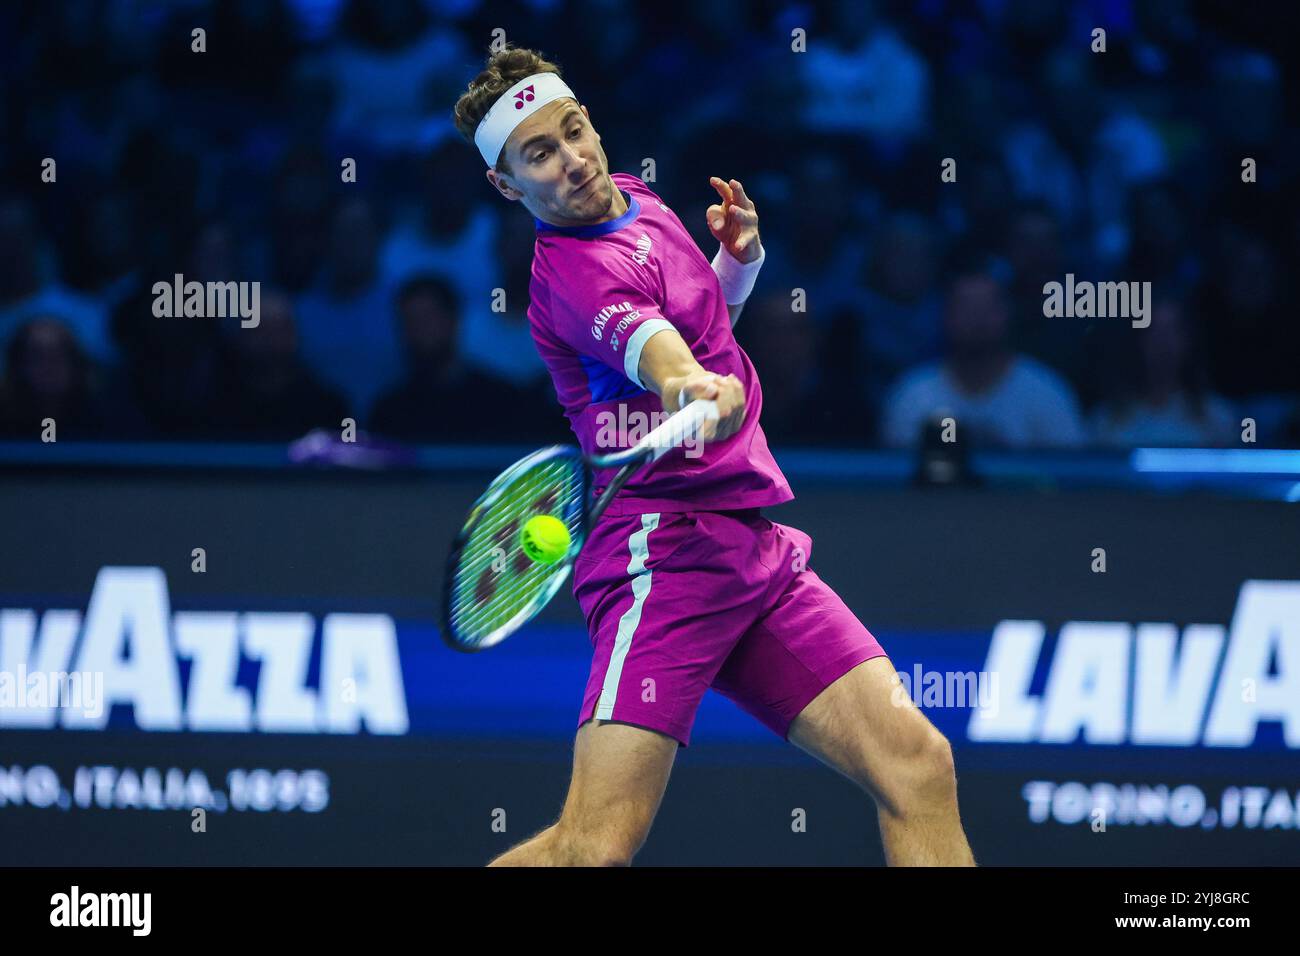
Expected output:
(524, 96)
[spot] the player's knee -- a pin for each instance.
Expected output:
(919, 778)
(931, 776)
(941, 770)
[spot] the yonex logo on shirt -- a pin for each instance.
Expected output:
(603, 315)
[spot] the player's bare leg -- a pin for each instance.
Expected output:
(883, 743)
(620, 773)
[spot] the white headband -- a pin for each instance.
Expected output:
(513, 107)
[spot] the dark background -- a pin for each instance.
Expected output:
(225, 165)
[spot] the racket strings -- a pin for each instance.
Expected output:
(503, 524)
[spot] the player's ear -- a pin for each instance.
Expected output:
(499, 184)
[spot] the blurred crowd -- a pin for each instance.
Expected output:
(917, 297)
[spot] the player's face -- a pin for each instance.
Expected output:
(559, 170)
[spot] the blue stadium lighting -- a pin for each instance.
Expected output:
(1237, 461)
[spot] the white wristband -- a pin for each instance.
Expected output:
(736, 278)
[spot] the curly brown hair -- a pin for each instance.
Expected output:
(504, 69)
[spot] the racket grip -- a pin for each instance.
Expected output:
(680, 428)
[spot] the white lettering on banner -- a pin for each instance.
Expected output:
(131, 640)
(1099, 669)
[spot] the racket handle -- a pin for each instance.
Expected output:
(679, 429)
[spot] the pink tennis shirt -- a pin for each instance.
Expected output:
(598, 293)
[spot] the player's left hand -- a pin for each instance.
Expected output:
(734, 221)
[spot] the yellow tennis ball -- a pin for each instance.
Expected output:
(545, 539)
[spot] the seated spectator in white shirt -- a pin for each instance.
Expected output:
(1169, 404)
(996, 397)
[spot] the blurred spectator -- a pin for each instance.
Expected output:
(393, 70)
(253, 46)
(1127, 153)
(1168, 402)
(479, 243)
(977, 216)
(46, 376)
(1253, 337)
(344, 319)
(25, 294)
(1246, 95)
(167, 384)
(269, 393)
(302, 197)
(799, 408)
(859, 75)
(103, 259)
(1159, 252)
(902, 307)
(214, 256)
(1041, 169)
(164, 180)
(1036, 256)
(811, 235)
(502, 342)
(998, 398)
(443, 398)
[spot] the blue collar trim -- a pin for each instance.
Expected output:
(599, 228)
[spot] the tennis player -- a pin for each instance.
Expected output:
(684, 584)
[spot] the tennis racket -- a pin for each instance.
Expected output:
(492, 587)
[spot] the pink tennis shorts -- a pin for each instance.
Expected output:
(680, 602)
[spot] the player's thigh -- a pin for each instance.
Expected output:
(620, 772)
(802, 645)
(866, 726)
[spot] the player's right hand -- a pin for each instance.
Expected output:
(728, 392)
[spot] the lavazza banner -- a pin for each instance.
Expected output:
(311, 722)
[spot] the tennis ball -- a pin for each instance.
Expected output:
(545, 539)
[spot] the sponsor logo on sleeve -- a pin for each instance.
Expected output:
(603, 316)
(642, 252)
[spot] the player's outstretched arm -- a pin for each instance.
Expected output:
(668, 368)
(734, 223)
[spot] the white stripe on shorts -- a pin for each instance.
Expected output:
(627, 624)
